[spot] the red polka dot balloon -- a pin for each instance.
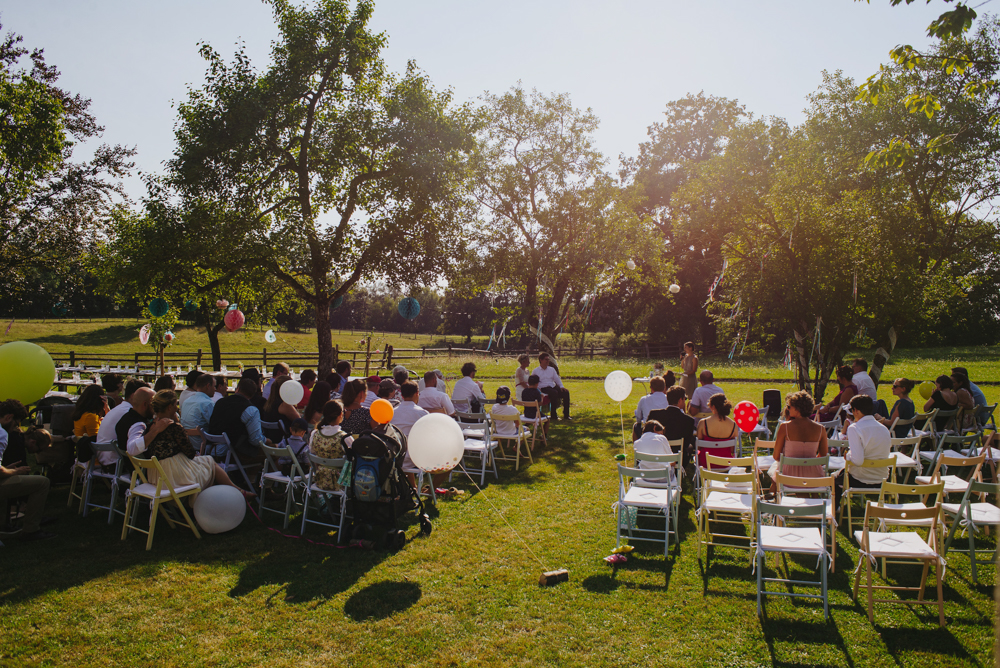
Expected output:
(746, 416)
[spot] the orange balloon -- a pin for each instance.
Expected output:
(381, 411)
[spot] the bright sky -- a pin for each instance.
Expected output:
(623, 59)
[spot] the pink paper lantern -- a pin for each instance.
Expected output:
(222, 303)
(234, 320)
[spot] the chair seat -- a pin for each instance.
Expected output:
(915, 505)
(993, 454)
(534, 419)
(802, 502)
(932, 454)
(323, 490)
(148, 490)
(837, 463)
(903, 461)
(738, 487)
(649, 497)
(473, 433)
(803, 540)
(97, 473)
(728, 502)
(764, 463)
(952, 483)
(474, 445)
(278, 476)
(982, 513)
(904, 544)
(921, 433)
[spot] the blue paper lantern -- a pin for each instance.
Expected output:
(191, 306)
(409, 308)
(158, 307)
(337, 303)
(59, 310)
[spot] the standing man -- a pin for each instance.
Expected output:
(699, 402)
(550, 384)
(861, 378)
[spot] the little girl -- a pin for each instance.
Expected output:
(329, 441)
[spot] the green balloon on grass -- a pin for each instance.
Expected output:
(926, 389)
(26, 372)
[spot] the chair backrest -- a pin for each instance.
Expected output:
(823, 461)
(951, 415)
(899, 422)
(708, 477)
(702, 416)
(831, 426)
(925, 420)
(975, 463)
(889, 463)
(765, 508)
(216, 439)
(873, 511)
(894, 489)
(977, 487)
(325, 461)
(667, 460)
(840, 443)
(714, 445)
(273, 429)
(627, 472)
(470, 417)
(795, 483)
(714, 461)
(761, 444)
(270, 459)
(897, 443)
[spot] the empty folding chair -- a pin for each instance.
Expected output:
(720, 506)
(115, 479)
(896, 545)
(819, 492)
(786, 539)
(646, 501)
(672, 476)
(906, 452)
(954, 484)
(950, 445)
(157, 494)
(970, 516)
(889, 498)
(272, 473)
(313, 492)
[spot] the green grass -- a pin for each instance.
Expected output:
(466, 595)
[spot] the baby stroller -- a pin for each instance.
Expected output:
(379, 492)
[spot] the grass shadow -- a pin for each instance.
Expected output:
(796, 632)
(381, 600)
(113, 334)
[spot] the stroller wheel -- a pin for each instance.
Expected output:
(425, 525)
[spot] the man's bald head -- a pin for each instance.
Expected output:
(141, 400)
(706, 378)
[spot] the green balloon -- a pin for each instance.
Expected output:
(926, 389)
(26, 372)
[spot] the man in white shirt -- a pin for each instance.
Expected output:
(550, 384)
(432, 399)
(867, 439)
(861, 378)
(657, 398)
(441, 385)
(467, 388)
(106, 432)
(699, 402)
(652, 442)
(408, 412)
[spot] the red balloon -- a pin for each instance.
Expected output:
(234, 320)
(746, 416)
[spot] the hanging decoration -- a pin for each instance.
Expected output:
(59, 310)
(144, 334)
(337, 303)
(717, 282)
(168, 336)
(631, 265)
(221, 303)
(191, 306)
(234, 307)
(234, 320)
(409, 308)
(674, 288)
(786, 361)
(7, 331)
(269, 336)
(815, 346)
(158, 307)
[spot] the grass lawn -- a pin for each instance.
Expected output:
(467, 594)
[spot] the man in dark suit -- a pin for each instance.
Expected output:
(676, 423)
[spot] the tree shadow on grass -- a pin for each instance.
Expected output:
(381, 600)
(924, 639)
(112, 334)
(605, 583)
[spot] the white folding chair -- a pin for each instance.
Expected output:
(715, 448)
(115, 479)
(949, 445)
(972, 515)
(479, 443)
(272, 429)
(911, 461)
(311, 491)
(954, 484)
(646, 501)
(863, 492)
(820, 493)
(538, 421)
(273, 473)
(671, 467)
(784, 540)
(232, 461)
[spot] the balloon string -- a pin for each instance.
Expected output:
(512, 530)
(621, 416)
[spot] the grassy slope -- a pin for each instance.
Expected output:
(465, 595)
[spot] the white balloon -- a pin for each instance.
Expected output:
(436, 443)
(219, 508)
(292, 392)
(630, 264)
(674, 288)
(618, 385)
(269, 336)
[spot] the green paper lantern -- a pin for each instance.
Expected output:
(158, 307)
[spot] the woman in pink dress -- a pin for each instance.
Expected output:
(800, 437)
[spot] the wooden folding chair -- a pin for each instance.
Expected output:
(157, 495)
(520, 437)
(954, 484)
(719, 505)
(851, 492)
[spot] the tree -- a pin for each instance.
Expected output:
(334, 169)
(51, 208)
(555, 224)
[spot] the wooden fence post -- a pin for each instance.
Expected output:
(423, 351)
(265, 358)
(198, 360)
(336, 355)
(449, 349)
(591, 351)
(72, 358)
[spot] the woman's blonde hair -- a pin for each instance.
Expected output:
(522, 358)
(162, 400)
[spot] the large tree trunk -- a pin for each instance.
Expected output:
(213, 343)
(324, 341)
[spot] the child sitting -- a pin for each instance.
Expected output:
(531, 393)
(504, 427)
(328, 441)
(297, 440)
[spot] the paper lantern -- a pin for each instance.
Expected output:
(269, 336)
(168, 337)
(618, 385)
(630, 264)
(191, 306)
(409, 308)
(436, 443)
(234, 320)
(158, 307)
(221, 303)
(746, 416)
(337, 303)
(144, 334)
(26, 372)
(291, 392)
(219, 508)
(674, 288)
(59, 310)
(381, 411)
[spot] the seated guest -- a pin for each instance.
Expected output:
(799, 437)
(848, 390)
(657, 398)
(132, 425)
(867, 439)
(239, 419)
(221, 389)
(307, 379)
(113, 384)
(432, 399)
(699, 400)
(944, 398)
(15, 481)
(501, 407)
(521, 375)
(330, 442)
(467, 388)
(297, 431)
(189, 379)
(965, 399)
(862, 380)
(551, 385)
(532, 393)
(400, 375)
(171, 447)
(90, 409)
(408, 411)
(441, 385)
(388, 390)
(313, 412)
(716, 428)
(164, 383)
(277, 409)
(257, 400)
(196, 412)
(372, 395)
(108, 430)
(977, 394)
(356, 418)
(652, 442)
(344, 373)
(677, 424)
(903, 409)
(280, 370)
(12, 414)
